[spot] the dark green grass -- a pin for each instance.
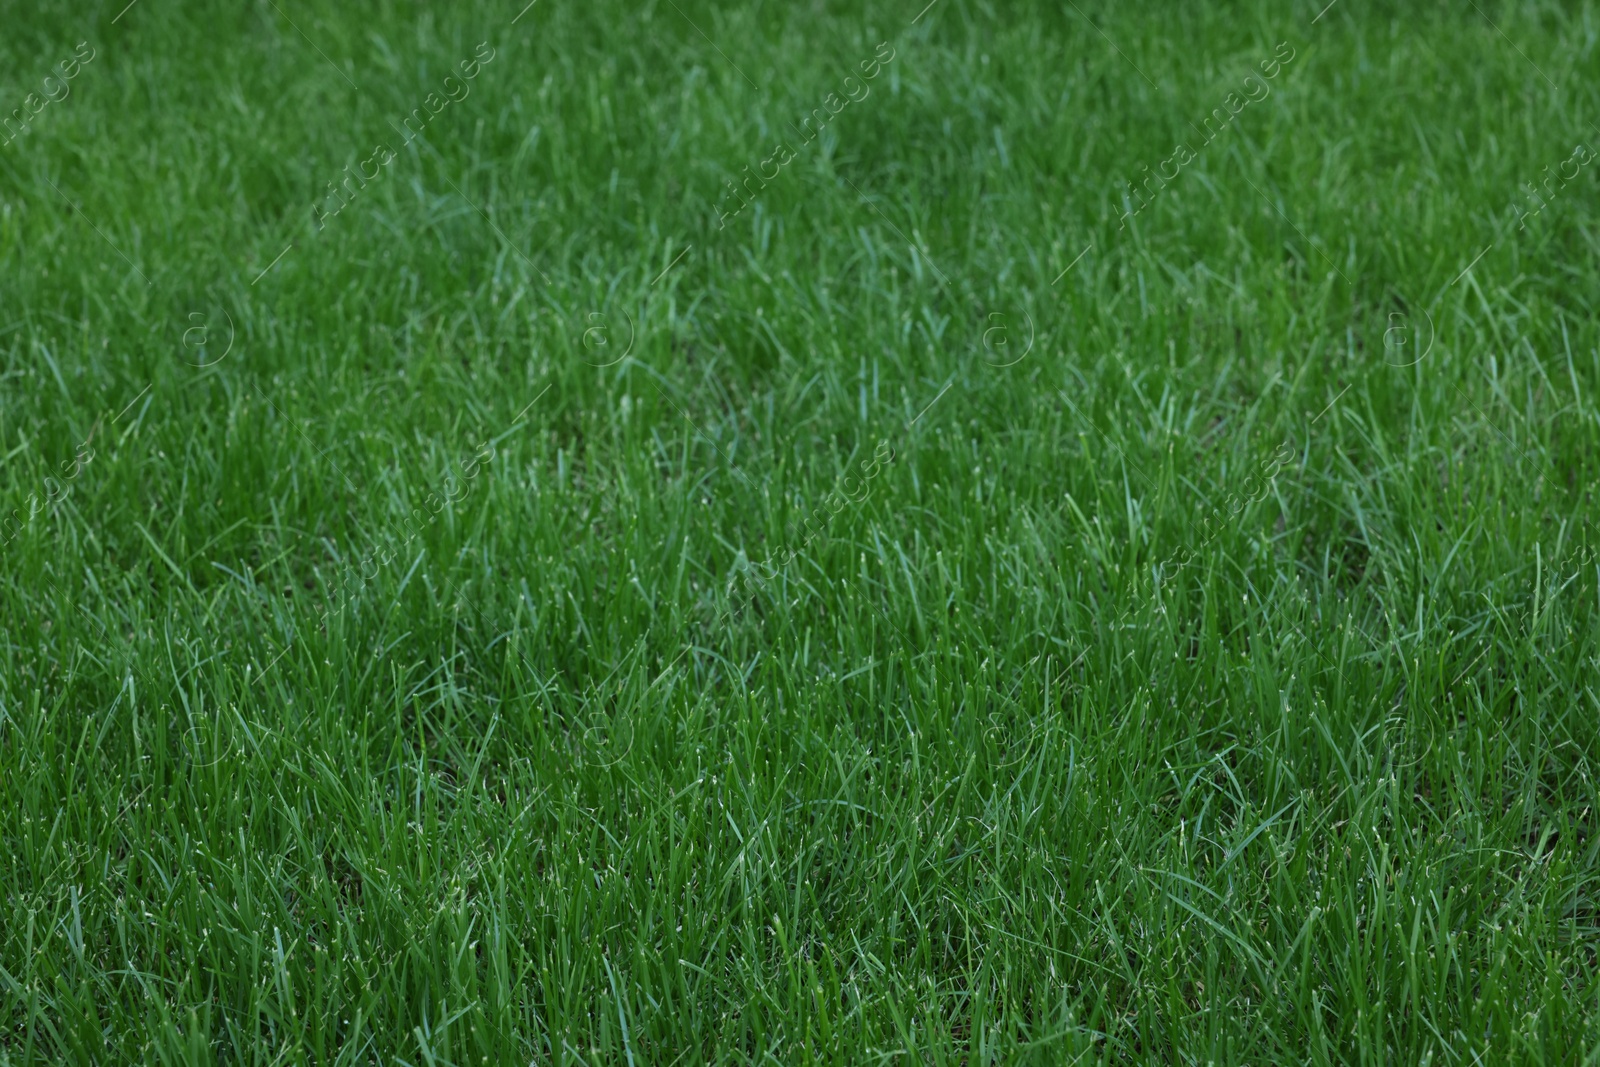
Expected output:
(1074, 737)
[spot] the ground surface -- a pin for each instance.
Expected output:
(942, 606)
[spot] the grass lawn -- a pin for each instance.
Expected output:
(700, 533)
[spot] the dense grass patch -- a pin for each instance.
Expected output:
(489, 579)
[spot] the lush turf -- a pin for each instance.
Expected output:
(562, 611)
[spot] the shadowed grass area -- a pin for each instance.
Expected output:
(550, 589)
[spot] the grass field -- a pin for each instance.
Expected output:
(678, 533)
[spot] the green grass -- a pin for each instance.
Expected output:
(868, 647)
